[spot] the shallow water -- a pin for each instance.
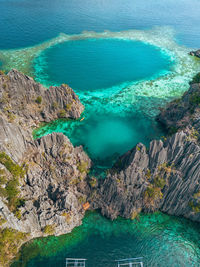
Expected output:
(92, 66)
(121, 82)
(105, 136)
(162, 241)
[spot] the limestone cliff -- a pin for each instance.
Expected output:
(41, 181)
(55, 171)
(184, 112)
(195, 53)
(29, 103)
(44, 183)
(166, 176)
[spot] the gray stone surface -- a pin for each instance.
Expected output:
(53, 188)
(18, 94)
(195, 53)
(175, 160)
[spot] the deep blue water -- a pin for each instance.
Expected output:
(95, 64)
(26, 23)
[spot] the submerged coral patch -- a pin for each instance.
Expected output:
(157, 89)
(119, 113)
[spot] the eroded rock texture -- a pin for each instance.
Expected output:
(30, 103)
(51, 189)
(166, 176)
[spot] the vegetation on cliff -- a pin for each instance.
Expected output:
(10, 241)
(9, 187)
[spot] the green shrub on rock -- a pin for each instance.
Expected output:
(38, 100)
(9, 188)
(16, 170)
(10, 241)
(196, 78)
(68, 107)
(159, 182)
(197, 195)
(194, 206)
(82, 166)
(62, 113)
(153, 192)
(93, 182)
(2, 220)
(55, 105)
(49, 229)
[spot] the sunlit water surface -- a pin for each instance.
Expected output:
(162, 241)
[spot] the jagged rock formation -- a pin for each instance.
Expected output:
(28, 102)
(49, 173)
(44, 182)
(50, 188)
(166, 176)
(184, 112)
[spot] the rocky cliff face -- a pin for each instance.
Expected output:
(44, 183)
(195, 53)
(166, 176)
(29, 103)
(41, 181)
(50, 188)
(184, 112)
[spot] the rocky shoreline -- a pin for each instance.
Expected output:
(165, 176)
(45, 186)
(41, 180)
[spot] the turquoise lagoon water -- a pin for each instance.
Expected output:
(107, 135)
(93, 64)
(96, 69)
(162, 241)
(131, 59)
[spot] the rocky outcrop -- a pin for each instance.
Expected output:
(165, 177)
(44, 183)
(195, 53)
(184, 112)
(49, 173)
(24, 101)
(50, 188)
